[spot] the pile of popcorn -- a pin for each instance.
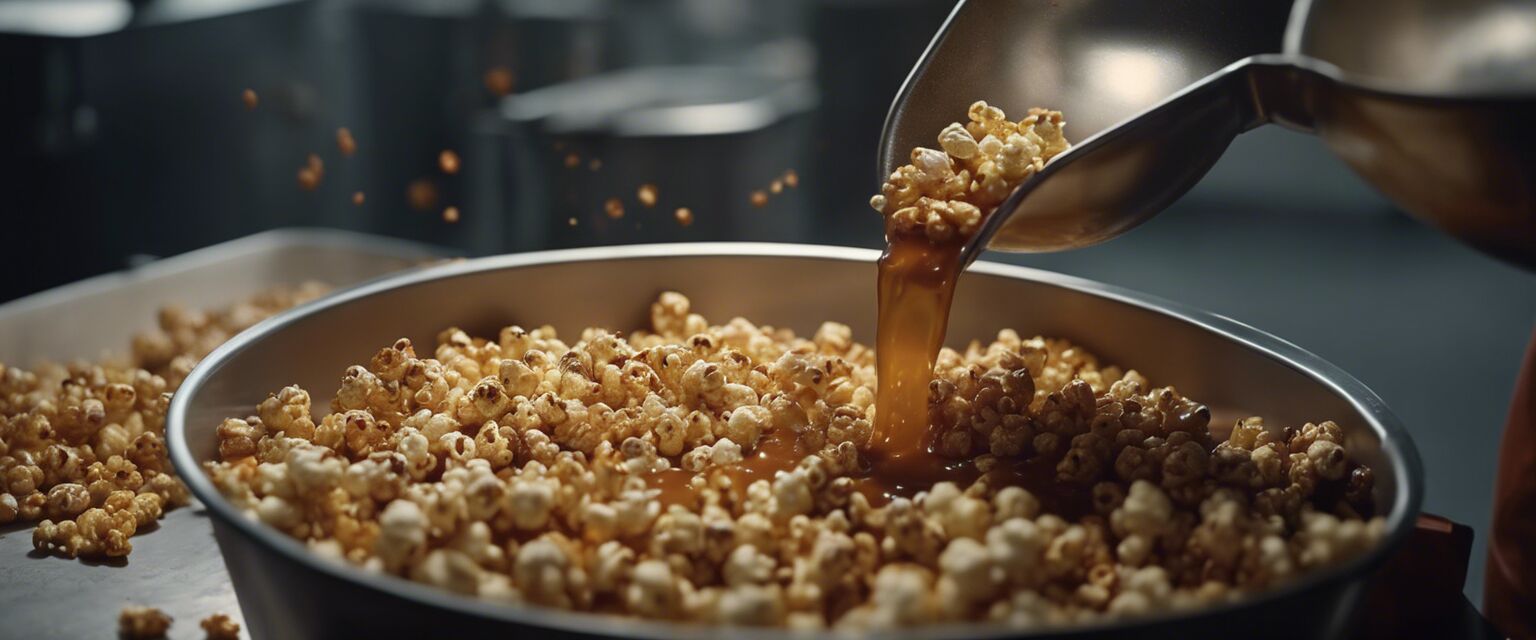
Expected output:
(524, 469)
(945, 193)
(82, 447)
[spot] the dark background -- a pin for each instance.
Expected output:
(123, 137)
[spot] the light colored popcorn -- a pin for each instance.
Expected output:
(714, 474)
(944, 193)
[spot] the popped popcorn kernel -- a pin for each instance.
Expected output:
(137, 622)
(220, 626)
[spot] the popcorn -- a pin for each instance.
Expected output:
(654, 590)
(746, 565)
(1328, 458)
(752, 605)
(943, 194)
(1146, 511)
(402, 531)
(902, 594)
(449, 569)
(81, 440)
(220, 626)
(713, 473)
(136, 622)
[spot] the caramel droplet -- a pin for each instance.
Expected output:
(647, 194)
(309, 180)
(448, 161)
(422, 195)
(345, 142)
(499, 81)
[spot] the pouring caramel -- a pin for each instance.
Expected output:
(931, 208)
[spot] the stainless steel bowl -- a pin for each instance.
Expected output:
(286, 592)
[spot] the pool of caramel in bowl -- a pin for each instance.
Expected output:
(917, 279)
(916, 286)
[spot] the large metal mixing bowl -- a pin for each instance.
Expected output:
(286, 592)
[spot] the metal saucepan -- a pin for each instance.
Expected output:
(1428, 100)
(287, 592)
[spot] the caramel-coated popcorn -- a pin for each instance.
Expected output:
(714, 474)
(448, 161)
(136, 623)
(944, 193)
(82, 447)
(220, 627)
(345, 143)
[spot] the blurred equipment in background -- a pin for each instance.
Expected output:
(120, 122)
(124, 128)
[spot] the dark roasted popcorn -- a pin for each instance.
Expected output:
(220, 627)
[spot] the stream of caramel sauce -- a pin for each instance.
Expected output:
(916, 286)
(917, 281)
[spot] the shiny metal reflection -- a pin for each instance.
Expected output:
(1429, 101)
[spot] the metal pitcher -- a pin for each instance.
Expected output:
(1430, 101)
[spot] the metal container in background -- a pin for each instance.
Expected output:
(424, 72)
(710, 103)
(122, 129)
(706, 137)
(288, 592)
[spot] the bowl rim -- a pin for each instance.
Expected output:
(1396, 444)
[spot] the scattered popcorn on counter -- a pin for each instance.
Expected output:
(82, 449)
